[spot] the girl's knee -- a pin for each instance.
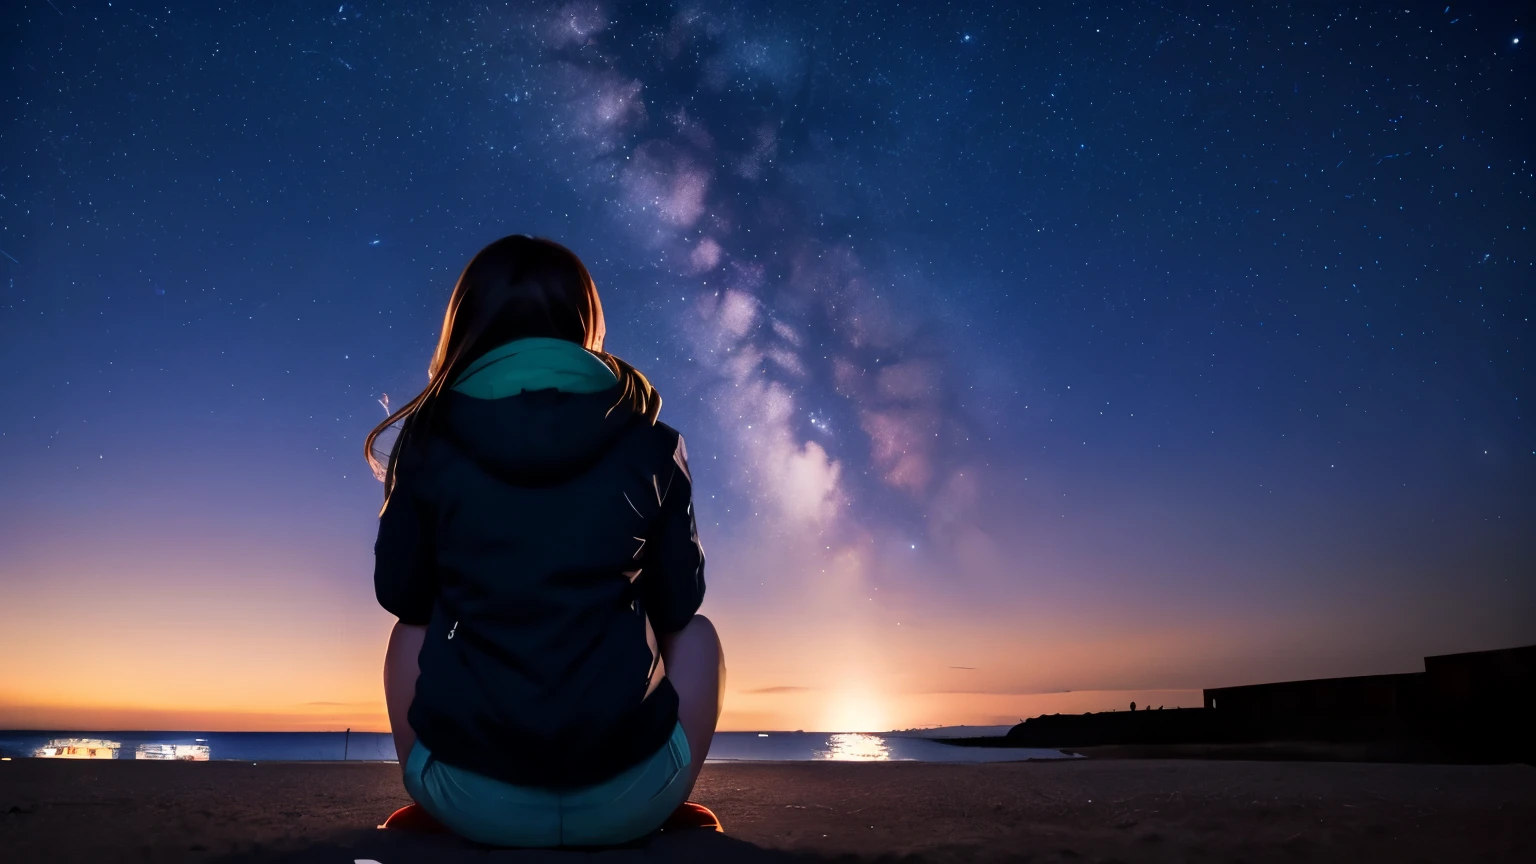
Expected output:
(702, 633)
(704, 627)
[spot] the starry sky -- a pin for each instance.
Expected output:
(1031, 358)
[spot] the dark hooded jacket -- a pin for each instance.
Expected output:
(543, 539)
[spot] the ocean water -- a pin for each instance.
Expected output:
(378, 747)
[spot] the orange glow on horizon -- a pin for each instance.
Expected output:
(287, 644)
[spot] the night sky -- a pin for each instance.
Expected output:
(1029, 358)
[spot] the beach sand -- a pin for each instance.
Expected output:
(1077, 811)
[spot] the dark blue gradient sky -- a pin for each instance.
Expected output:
(1105, 348)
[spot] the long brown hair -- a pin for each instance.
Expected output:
(515, 288)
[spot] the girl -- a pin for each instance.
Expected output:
(549, 682)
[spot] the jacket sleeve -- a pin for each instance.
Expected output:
(403, 578)
(674, 575)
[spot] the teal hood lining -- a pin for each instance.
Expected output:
(536, 363)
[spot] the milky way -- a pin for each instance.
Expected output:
(686, 135)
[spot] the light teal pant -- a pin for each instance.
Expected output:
(615, 811)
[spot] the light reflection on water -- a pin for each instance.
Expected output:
(858, 747)
(854, 747)
(199, 746)
(379, 746)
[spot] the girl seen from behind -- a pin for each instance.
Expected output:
(549, 681)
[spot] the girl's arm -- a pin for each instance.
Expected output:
(674, 573)
(405, 584)
(404, 580)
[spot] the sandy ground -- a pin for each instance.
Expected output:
(1079, 811)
